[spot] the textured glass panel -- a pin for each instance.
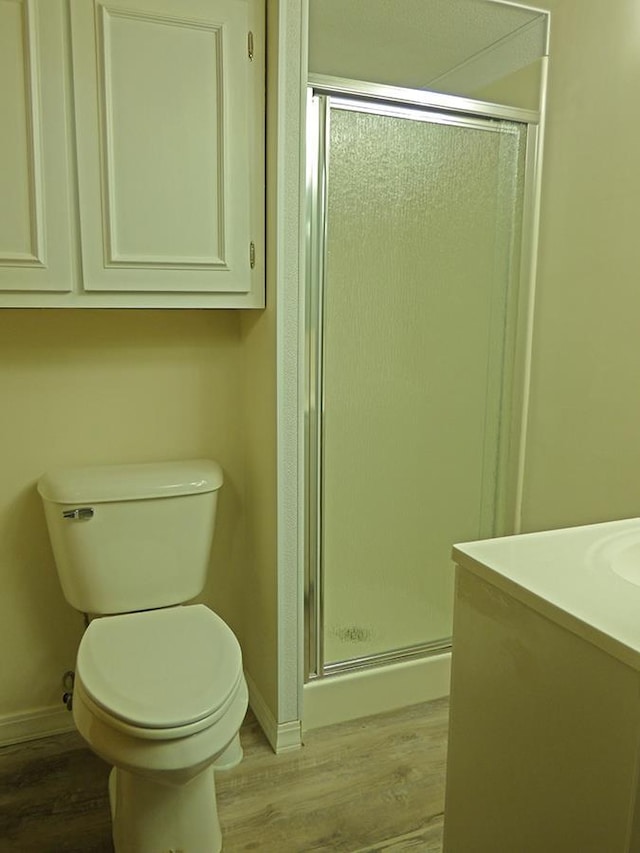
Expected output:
(420, 251)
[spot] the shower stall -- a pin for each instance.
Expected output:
(419, 209)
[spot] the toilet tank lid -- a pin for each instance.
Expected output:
(107, 483)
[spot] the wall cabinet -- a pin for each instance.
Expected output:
(133, 154)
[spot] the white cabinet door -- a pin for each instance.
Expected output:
(170, 146)
(36, 238)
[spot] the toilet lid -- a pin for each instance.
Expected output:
(160, 668)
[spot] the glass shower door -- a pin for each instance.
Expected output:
(419, 218)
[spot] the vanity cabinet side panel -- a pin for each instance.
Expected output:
(544, 733)
(36, 229)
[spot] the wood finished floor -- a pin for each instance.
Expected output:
(370, 786)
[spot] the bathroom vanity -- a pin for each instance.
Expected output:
(544, 753)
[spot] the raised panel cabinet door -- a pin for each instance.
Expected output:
(170, 142)
(36, 239)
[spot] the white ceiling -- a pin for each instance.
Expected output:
(423, 43)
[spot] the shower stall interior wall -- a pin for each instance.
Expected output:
(413, 310)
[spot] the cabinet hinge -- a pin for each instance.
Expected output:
(252, 254)
(250, 45)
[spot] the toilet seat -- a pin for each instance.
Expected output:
(160, 673)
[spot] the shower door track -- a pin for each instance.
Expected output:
(421, 650)
(437, 108)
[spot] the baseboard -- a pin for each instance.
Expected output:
(283, 737)
(349, 696)
(43, 722)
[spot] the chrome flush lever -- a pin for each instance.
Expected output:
(83, 513)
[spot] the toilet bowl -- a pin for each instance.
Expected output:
(159, 689)
(161, 696)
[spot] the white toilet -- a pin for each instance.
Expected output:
(159, 690)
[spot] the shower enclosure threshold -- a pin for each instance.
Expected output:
(351, 695)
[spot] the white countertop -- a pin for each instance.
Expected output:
(572, 577)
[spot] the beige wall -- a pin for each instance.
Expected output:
(261, 586)
(115, 386)
(583, 452)
(81, 386)
(104, 386)
(257, 587)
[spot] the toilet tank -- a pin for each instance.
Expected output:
(131, 537)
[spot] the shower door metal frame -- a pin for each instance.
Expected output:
(435, 108)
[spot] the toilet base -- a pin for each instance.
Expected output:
(148, 817)
(231, 757)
